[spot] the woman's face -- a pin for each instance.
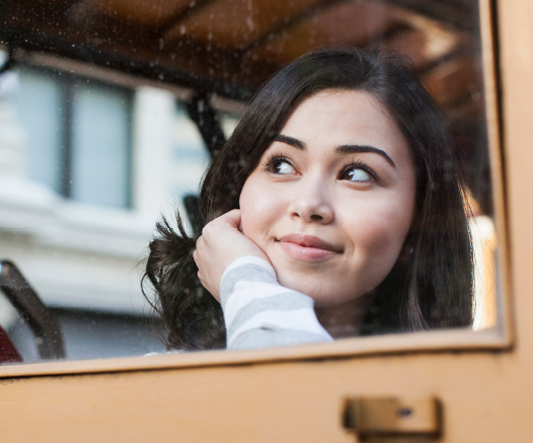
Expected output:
(332, 199)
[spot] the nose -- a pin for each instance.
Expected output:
(311, 202)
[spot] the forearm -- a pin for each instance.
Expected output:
(261, 313)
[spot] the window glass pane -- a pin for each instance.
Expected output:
(138, 148)
(100, 145)
(228, 121)
(189, 156)
(41, 114)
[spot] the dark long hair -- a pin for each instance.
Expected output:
(430, 285)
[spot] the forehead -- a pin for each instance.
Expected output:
(334, 118)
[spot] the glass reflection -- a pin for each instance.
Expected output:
(89, 162)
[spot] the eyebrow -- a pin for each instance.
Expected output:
(295, 143)
(348, 149)
(353, 149)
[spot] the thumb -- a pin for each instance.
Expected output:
(232, 218)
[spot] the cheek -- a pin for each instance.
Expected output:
(378, 233)
(259, 207)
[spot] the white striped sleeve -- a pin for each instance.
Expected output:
(261, 313)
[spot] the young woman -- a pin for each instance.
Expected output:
(335, 209)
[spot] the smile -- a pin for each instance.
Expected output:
(307, 248)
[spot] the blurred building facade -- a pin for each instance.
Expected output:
(86, 169)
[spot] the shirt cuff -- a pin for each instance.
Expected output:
(248, 260)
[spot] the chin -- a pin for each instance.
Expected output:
(316, 290)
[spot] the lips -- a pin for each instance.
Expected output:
(307, 247)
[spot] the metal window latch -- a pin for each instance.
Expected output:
(394, 419)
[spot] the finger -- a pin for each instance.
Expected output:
(198, 274)
(233, 217)
(199, 245)
(198, 254)
(199, 239)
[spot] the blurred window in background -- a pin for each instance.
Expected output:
(79, 136)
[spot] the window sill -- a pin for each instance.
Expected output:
(397, 344)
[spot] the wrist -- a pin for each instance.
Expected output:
(249, 259)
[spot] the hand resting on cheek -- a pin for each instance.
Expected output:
(258, 311)
(220, 244)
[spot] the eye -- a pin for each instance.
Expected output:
(357, 173)
(280, 165)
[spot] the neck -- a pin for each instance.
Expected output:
(344, 320)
